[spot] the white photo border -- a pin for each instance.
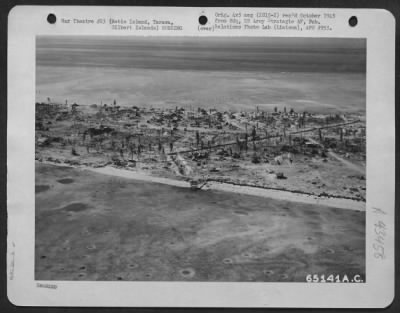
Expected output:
(26, 22)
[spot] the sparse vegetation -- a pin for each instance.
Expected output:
(103, 135)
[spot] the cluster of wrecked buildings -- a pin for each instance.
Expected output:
(131, 132)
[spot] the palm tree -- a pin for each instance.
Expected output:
(253, 133)
(197, 138)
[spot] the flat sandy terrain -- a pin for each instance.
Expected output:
(91, 226)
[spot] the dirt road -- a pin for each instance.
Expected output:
(355, 167)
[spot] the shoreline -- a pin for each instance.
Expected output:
(342, 203)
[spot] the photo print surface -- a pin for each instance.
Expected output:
(229, 159)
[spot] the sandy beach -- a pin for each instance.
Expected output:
(260, 192)
(341, 203)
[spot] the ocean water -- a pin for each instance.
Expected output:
(322, 75)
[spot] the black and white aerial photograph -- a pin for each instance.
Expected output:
(203, 159)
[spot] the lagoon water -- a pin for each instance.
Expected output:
(325, 75)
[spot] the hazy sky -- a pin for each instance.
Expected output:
(228, 72)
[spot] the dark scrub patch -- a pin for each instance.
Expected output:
(91, 247)
(248, 255)
(227, 261)
(75, 207)
(268, 272)
(65, 181)
(187, 272)
(41, 188)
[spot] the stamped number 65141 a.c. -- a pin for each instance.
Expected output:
(316, 278)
